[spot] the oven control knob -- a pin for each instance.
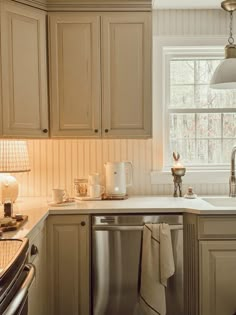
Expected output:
(33, 250)
(83, 223)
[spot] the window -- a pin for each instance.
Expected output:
(201, 122)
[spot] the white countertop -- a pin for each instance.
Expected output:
(38, 209)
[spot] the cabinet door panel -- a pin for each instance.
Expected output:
(75, 74)
(25, 105)
(217, 277)
(68, 252)
(38, 294)
(126, 55)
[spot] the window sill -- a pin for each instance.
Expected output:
(192, 177)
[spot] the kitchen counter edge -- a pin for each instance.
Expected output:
(38, 209)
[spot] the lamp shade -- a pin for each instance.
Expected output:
(224, 76)
(14, 156)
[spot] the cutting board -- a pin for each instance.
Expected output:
(16, 226)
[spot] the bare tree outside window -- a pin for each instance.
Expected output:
(202, 121)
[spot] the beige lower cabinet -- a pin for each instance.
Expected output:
(210, 264)
(218, 277)
(38, 296)
(68, 256)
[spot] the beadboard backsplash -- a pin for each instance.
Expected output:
(55, 163)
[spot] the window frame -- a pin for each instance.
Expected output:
(163, 49)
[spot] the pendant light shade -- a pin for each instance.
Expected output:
(224, 76)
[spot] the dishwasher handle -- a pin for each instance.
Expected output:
(129, 227)
(23, 291)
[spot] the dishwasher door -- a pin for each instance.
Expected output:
(116, 245)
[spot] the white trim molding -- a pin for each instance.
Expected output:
(163, 48)
(90, 5)
(178, 44)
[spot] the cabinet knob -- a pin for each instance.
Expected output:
(83, 223)
(106, 130)
(96, 130)
(45, 130)
(34, 250)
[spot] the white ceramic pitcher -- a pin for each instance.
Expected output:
(119, 175)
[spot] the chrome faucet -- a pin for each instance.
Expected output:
(232, 179)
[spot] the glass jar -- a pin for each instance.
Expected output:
(80, 187)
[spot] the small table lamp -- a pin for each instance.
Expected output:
(14, 158)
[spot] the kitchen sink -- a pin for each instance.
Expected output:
(221, 201)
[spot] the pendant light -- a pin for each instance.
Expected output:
(224, 76)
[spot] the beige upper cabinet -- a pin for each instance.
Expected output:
(24, 71)
(126, 74)
(75, 74)
(217, 277)
(100, 74)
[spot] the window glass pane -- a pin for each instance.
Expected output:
(201, 152)
(185, 147)
(214, 152)
(229, 125)
(182, 71)
(208, 125)
(204, 70)
(182, 96)
(205, 97)
(227, 146)
(182, 126)
(228, 98)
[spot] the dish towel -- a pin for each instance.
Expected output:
(157, 265)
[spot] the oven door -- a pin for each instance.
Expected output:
(16, 301)
(23, 309)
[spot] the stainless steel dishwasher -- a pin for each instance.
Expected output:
(116, 253)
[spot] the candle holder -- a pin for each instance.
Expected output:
(177, 173)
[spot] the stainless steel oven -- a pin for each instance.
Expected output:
(116, 251)
(16, 276)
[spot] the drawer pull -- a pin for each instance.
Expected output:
(45, 130)
(96, 130)
(83, 223)
(106, 130)
(34, 250)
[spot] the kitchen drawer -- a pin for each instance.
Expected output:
(215, 227)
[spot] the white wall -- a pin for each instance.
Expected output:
(191, 23)
(55, 163)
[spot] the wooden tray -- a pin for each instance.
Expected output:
(16, 226)
(106, 197)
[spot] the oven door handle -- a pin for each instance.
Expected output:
(23, 291)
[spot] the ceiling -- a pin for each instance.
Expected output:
(187, 4)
